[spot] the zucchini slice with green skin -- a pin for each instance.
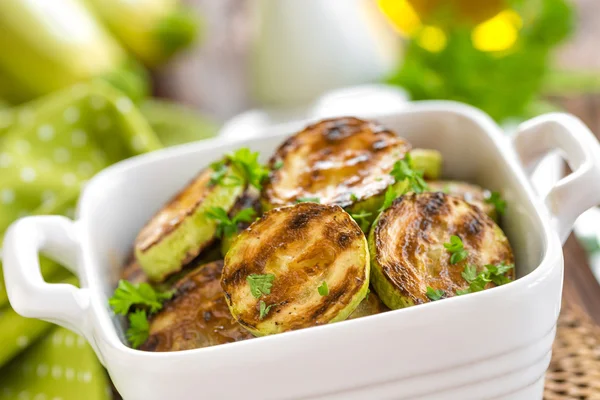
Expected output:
(299, 248)
(407, 250)
(371, 305)
(472, 194)
(196, 316)
(341, 161)
(181, 229)
(429, 161)
(250, 199)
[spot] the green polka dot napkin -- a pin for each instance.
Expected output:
(49, 148)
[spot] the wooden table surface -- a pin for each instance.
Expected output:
(213, 78)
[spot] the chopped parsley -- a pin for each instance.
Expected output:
(244, 161)
(308, 200)
(260, 284)
(263, 309)
(434, 294)
(456, 248)
(478, 281)
(404, 170)
(247, 163)
(278, 165)
(496, 200)
(128, 295)
(353, 197)
(323, 289)
(139, 328)
(362, 219)
(226, 227)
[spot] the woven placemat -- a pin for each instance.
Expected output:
(574, 372)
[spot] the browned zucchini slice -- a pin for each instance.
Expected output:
(339, 161)
(407, 249)
(197, 315)
(296, 267)
(472, 194)
(181, 229)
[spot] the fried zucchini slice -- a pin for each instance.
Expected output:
(250, 199)
(472, 194)
(407, 250)
(371, 305)
(181, 230)
(341, 161)
(429, 161)
(196, 316)
(297, 266)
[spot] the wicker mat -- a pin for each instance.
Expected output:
(574, 372)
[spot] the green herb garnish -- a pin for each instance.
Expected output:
(434, 294)
(362, 219)
(404, 170)
(139, 328)
(278, 165)
(308, 200)
(456, 248)
(247, 163)
(128, 294)
(390, 196)
(353, 197)
(263, 310)
(490, 273)
(496, 200)
(226, 227)
(260, 284)
(323, 289)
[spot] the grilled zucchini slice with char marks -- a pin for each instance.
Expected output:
(181, 229)
(296, 267)
(197, 315)
(472, 194)
(407, 250)
(338, 161)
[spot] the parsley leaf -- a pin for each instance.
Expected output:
(260, 284)
(498, 273)
(362, 219)
(434, 294)
(390, 196)
(139, 328)
(226, 227)
(263, 310)
(455, 247)
(404, 170)
(308, 200)
(323, 289)
(491, 273)
(127, 295)
(247, 163)
(496, 200)
(353, 197)
(278, 165)
(469, 273)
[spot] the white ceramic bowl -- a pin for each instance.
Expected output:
(491, 344)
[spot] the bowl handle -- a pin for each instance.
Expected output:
(578, 191)
(28, 293)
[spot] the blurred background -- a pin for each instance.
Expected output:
(86, 83)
